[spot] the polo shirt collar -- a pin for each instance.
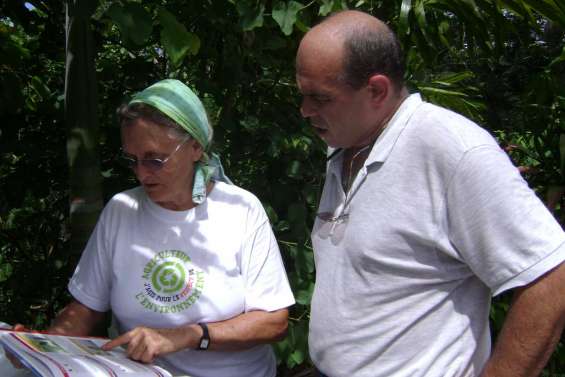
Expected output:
(386, 140)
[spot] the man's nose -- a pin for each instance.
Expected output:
(307, 109)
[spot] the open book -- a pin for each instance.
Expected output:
(63, 356)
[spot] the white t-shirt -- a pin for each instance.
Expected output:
(161, 268)
(437, 220)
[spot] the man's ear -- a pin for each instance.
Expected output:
(380, 88)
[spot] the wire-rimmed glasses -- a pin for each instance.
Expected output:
(151, 164)
(332, 226)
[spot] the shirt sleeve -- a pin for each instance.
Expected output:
(499, 226)
(91, 281)
(266, 283)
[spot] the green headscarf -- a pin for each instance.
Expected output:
(178, 102)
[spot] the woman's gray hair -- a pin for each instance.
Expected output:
(130, 113)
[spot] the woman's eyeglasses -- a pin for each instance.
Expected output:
(152, 164)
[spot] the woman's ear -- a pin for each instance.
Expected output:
(380, 88)
(196, 149)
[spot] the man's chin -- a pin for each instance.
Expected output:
(332, 143)
(326, 138)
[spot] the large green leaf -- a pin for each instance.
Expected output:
(443, 32)
(449, 78)
(443, 92)
(298, 356)
(12, 45)
(303, 295)
(326, 7)
(285, 15)
(250, 16)
(420, 14)
(519, 9)
(176, 40)
(294, 169)
(329, 6)
(297, 214)
(295, 346)
(11, 96)
(550, 9)
(403, 21)
(467, 12)
(562, 155)
(304, 261)
(559, 59)
(134, 22)
(6, 270)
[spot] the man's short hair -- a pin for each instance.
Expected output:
(369, 51)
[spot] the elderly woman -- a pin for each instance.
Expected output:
(188, 264)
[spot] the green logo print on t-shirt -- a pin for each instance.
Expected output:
(171, 283)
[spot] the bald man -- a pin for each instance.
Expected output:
(422, 219)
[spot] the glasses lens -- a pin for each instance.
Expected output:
(329, 226)
(152, 163)
(338, 233)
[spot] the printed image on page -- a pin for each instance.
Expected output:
(60, 356)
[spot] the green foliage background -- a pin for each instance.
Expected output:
(500, 62)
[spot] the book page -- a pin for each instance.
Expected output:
(60, 356)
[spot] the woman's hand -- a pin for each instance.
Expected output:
(20, 327)
(145, 344)
(238, 333)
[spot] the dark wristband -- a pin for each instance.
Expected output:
(204, 339)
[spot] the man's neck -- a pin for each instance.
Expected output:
(355, 156)
(382, 122)
(353, 160)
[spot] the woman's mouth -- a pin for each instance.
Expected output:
(150, 186)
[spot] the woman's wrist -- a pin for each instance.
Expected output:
(204, 341)
(193, 333)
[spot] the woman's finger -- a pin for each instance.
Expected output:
(119, 341)
(19, 327)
